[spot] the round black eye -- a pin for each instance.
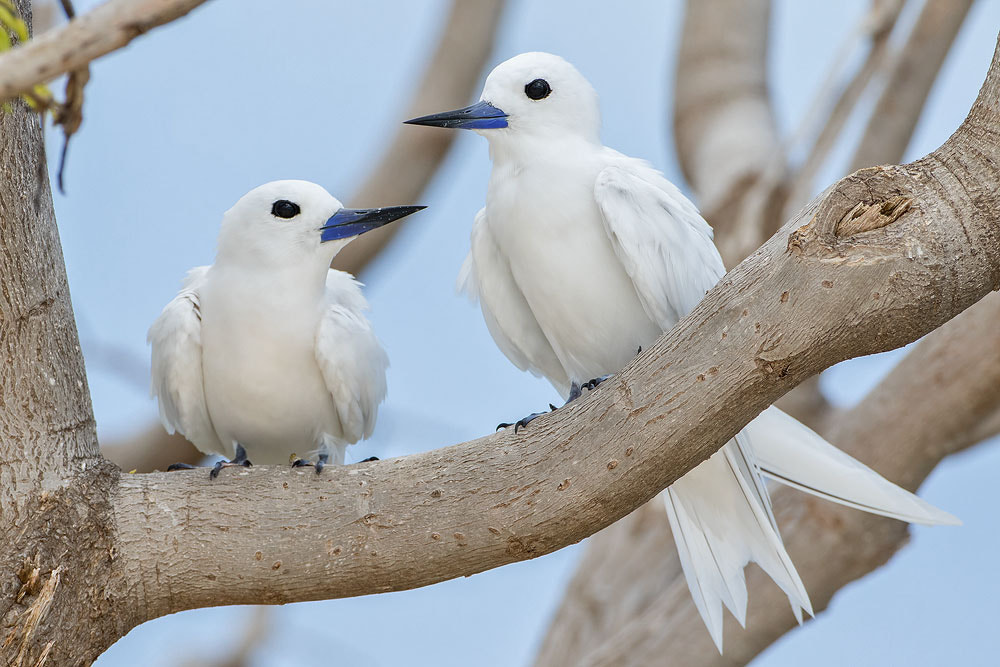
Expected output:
(537, 89)
(285, 209)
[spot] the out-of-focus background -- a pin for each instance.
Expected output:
(182, 123)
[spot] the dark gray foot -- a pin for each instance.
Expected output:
(240, 460)
(369, 459)
(321, 462)
(180, 466)
(590, 385)
(521, 423)
(574, 393)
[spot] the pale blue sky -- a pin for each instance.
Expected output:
(187, 119)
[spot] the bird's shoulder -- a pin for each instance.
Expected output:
(344, 291)
(631, 178)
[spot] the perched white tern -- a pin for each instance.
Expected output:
(583, 255)
(267, 351)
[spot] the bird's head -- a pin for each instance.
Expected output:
(289, 221)
(532, 95)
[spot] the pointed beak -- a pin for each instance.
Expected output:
(479, 116)
(349, 222)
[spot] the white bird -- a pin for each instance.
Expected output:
(267, 351)
(583, 255)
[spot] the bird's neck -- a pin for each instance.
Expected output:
(303, 276)
(525, 149)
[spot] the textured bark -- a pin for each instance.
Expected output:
(55, 516)
(100, 31)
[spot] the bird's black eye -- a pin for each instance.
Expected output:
(537, 89)
(285, 209)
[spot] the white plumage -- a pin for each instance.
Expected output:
(582, 255)
(269, 347)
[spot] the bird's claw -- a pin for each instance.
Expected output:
(180, 466)
(521, 423)
(320, 463)
(240, 460)
(369, 459)
(245, 463)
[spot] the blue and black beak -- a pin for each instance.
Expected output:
(350, 222)
(479, 116)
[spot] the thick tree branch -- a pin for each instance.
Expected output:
(105, 28)
(412, 158)
(896, 113)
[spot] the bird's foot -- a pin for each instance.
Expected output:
(524, 421)
(590, 385)
(180, 466)
(369, 459)
(240, 460)
(320, 463)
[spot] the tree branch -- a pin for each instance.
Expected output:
(100, 31)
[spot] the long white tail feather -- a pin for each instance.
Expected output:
(721, 519)
(791, 453)
(707, 602)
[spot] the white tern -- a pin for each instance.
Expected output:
(583, 255)
(267, 351)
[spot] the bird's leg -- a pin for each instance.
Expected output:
(574, 393)
(369, 459)
(240, 460)
(180, 466)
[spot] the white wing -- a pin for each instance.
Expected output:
(176, 371)
(658, 235)
(350, 357)
(791, 453)
(486, 277)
